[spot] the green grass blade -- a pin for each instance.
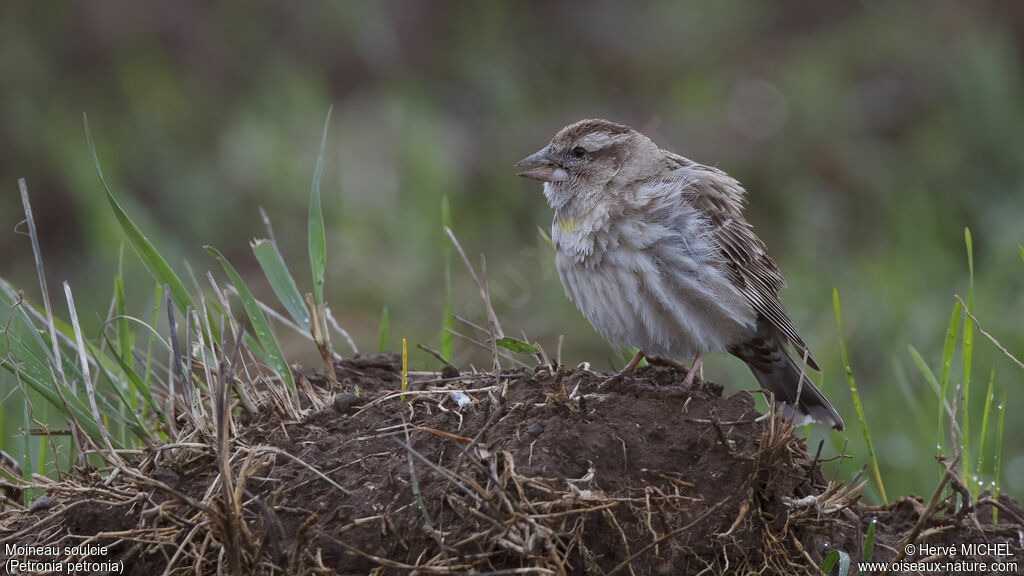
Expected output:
(137, 382)
(869, 542)
(949, 346)
(414, 483)
(856, 397)
(317, 236)
(90, 389)
(256, 348)
(929, 377)
(517, 346)
(984, 426)
(207, 313)
(947, 359)
(1021, 250)
(34, 371)
(125, 337)
(26, 442)
(259, 322)
(546, 237)
(447, 324)
(967, 352)
(131, 418)
(23, 326)
(154, 262)
(149, 346)
(41, 461)
(836, 557)
(40, 336)
(276, 271)
(997, 464)
(125, 340)
(382, 332)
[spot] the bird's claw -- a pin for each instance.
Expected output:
(688, 382)
(611, 382)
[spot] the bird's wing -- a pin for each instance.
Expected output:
(720, 198)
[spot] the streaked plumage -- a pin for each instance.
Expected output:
(654, 250)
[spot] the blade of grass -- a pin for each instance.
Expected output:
(125, 341)
(208, 357)
(119, 384)
(126, 417)
(929, 377)
(984, 427)
(516, 345)
(149, 346)
(256, 349)
(382, 331)
(967, 348)
(41, 459)
(997, 464)
(546, 237)
(276, 271)
(446, 320)
(154, 262)
(405, 367)
(260, 326)
(124, 337)
(213, 331)
(414, 483)
(37, 371)
(836, 557)
(179, 368)
(26, 446)
(37, 253)
(32, 370)
(947, 358)
(869, 541)
(111, 455)
(317, 237)
(138, 384)
(856, 397)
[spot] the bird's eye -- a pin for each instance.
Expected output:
(579, 151)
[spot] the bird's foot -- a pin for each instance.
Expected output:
(690, 377)
(692, 372)
(613, 381)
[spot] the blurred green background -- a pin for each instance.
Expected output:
(868, 134)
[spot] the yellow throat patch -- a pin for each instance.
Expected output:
(567, 225)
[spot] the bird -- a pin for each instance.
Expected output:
(654, 250)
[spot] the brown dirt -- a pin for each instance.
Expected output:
(540, 474)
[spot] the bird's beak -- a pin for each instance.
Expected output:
(543, 166)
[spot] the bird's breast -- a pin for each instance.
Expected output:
(644, 285)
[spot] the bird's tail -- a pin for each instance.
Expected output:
(777, 372)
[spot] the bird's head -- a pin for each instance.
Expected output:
(587, 158)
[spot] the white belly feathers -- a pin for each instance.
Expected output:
(657, 291)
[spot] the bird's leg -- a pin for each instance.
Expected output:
(688, 381)
(613, 380)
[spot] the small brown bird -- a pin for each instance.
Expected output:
(654, 250)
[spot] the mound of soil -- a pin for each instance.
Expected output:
(529, 472)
